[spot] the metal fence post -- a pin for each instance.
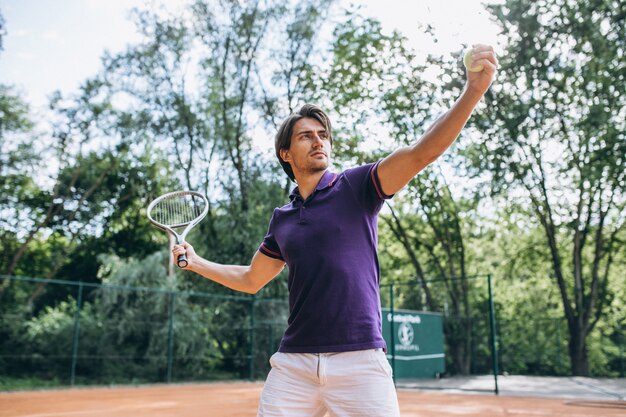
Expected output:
(79, 304)
(621, 351)
(391, 329)
(492, 323)
(170, 338)
(252, 341)
(270, 339)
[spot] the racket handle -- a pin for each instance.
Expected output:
(182, 261)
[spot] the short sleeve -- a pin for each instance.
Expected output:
(270, 247)
(365, 184)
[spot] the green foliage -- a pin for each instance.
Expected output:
(186, 107)
(556, 133)
(373, 79)
(136, 323)
(27, 384)
(50, 333)
(18, 159)
(14, 113)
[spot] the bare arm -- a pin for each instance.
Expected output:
(249, 279)
(397, 169)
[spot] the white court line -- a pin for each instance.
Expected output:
(418, 357)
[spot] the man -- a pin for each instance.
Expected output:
(332, 356)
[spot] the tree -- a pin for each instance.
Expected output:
(93, 187)
(376, 84)
(554, 137)
(432, 226)
(19, 161)
(196, 84)
(3, 32)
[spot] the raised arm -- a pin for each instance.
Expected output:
(397, 169)
(249, 279)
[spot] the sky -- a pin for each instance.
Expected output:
(55, 45)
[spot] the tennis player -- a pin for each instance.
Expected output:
(332, 357)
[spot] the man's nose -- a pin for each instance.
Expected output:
(318, 140)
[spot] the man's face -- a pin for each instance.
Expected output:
(310, 147)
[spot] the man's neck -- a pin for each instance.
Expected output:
(308, 182)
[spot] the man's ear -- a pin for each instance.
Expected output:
(285, 155)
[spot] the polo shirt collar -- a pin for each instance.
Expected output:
(327, 180)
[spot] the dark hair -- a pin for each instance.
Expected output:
(283, 136)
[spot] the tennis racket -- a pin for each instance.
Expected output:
(176, 210)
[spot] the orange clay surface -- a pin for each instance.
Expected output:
(240, 399)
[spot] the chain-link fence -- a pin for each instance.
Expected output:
(475, 341)
(55, 332)
(108, 334)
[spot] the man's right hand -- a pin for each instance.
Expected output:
(186, 249)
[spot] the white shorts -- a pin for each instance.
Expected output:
(341, 384)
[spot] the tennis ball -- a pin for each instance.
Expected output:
(467, 61)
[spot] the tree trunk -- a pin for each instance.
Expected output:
(577, 347)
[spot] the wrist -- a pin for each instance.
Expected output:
(471, 93)
(193, 263)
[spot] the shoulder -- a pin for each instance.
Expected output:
(361, 175)
(364, 182)
(359, 170)
(279, 212)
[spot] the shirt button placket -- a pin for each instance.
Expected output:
(302, 214)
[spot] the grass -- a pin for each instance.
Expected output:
(38, 383)
(25, 384)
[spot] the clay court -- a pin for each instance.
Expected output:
(240, 399)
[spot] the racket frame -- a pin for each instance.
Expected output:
(180, 238)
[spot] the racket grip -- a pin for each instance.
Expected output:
(182, 261)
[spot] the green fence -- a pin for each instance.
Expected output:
(107, 334)
(70, 333)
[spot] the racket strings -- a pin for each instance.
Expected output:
(178, 210)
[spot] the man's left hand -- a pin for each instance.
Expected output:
(479, 82)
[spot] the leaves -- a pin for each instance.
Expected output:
(550, 129)
(532, 191)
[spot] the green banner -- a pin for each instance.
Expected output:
(416, 350)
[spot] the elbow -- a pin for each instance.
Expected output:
(427, 157)
(244, 288)
(422, 156)
(250, 289)
(432, 158)
(249, 285)
(423, 161)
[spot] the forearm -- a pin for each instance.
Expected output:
(232, 276)
(401, 166)
(444, 131)
(396, 170)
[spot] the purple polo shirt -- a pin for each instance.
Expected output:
(329, 242)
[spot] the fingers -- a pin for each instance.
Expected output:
(181, 249)
(484, 55)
